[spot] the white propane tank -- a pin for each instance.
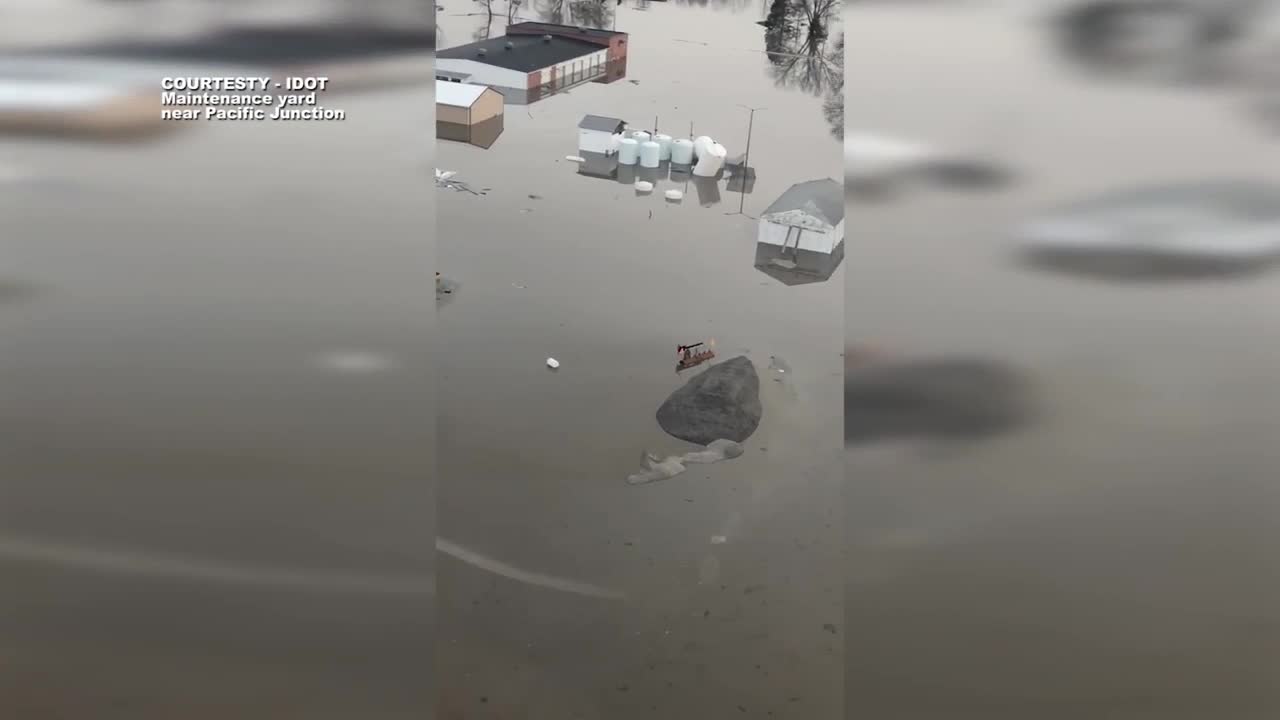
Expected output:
(644, 186)
(682, 152)
(674, 195)
(701, 145)
(711, 162)
(664, 144)
(650, 154)
(628, 151)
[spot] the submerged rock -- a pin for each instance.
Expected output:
(723, 402)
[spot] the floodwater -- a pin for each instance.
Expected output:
(215, 471)
(534, 464)
(1115, 558)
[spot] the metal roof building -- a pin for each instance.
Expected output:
(534, 60)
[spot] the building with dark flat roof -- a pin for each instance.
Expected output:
(534, 60)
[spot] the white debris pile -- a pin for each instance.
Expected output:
(445, 179)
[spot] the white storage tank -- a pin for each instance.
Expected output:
(664, 144)
(640, 136)
(650, 154)
(701, 145)
(628, 151)
(711, 161)
(682, 152)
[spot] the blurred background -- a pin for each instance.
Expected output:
(1061, 390)
(216, 430)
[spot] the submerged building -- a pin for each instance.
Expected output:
(800, 237)
(468, 113)
(534, 60)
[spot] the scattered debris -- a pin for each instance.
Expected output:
(535, 197)
(445, 289)
(444, 179)
(553, 363)
(655, 469)
(689, 357)
(575, 158)
(829, 628)
(718, 540)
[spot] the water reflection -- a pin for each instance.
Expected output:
(737, 179)
(795, 40)
(583, 13)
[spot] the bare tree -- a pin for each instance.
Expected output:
(833, 105)
(513, 9)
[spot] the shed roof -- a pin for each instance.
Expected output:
(823, 199)
(458, 94)
(601, 123)
(527, 52)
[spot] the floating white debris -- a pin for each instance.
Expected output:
(674, 195)
(553, 363)
(644, 186)
(719, 539)
(575, 158)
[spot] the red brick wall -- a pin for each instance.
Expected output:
(617, 59)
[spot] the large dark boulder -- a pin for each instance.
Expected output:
(721, 403)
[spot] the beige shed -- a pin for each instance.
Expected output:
(468, 113)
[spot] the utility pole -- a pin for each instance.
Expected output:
(746, 158)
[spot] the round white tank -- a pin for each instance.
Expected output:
(682, 152)
(701, 145)
(664, 143)
(711, 162)
(628, 151)
(640, 136)
(650, 154)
